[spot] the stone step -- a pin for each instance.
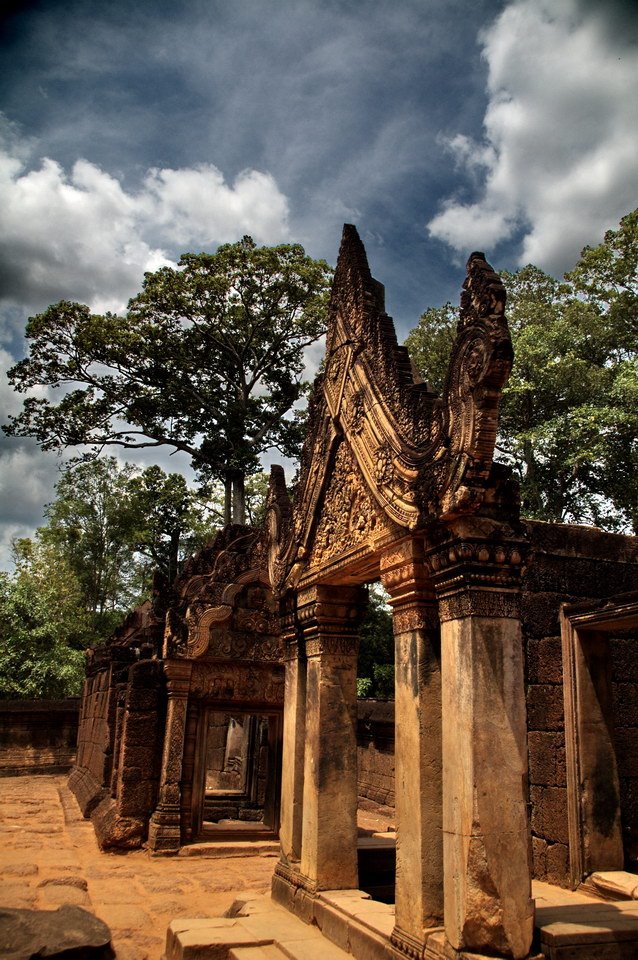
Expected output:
(258, 930)
(231, 848)
(268, 952)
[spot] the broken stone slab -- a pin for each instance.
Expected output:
(615, 884)
(68, 932)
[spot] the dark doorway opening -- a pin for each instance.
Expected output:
(238, 774)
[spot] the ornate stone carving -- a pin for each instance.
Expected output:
(477, 577)
(348, 518)
(416, 457)
(238, 683)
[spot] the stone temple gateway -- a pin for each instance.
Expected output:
(401, 485)
(516, 654)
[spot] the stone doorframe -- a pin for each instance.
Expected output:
(593, 788)
(399, 484)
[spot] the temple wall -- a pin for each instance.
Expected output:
(121, 817)
(569, 564)
(91, 774)
(38, 736)
(375, 750)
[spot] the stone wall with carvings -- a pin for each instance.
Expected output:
(569, 564)
(219, 616)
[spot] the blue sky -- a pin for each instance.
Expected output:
(133, 132)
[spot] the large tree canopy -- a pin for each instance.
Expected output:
(44, 627)
(569, 414)
(208, 361)
(110, 528)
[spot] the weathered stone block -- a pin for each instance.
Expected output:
(547, 758)
(544, 661)
(626, 704)
(140, 728)
(539, 614)
(558, 864)
(549, 813)
(627, 751)
(545, 708)
(624, 659)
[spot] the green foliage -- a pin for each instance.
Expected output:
(569, 414)
(375, 667)
(364, 686)
(208, 360)
(43, 626)
(430, 343)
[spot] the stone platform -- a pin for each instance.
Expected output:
(574, 926)
(570, 926)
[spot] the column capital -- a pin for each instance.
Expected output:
(178, 677)
(329, 618)
(403, 570)
(474, 576)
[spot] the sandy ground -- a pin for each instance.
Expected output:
(49, 856)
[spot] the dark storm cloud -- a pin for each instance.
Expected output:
(133, 132)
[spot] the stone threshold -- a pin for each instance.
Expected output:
(214, 849)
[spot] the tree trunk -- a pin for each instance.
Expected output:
(239, 498)
(228, 488)
(173, 558)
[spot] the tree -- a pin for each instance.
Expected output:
(569, 414)
(207, 360)
(113, 526)
(375, 666)
(92, 526)
(170, 520)
(44, 627)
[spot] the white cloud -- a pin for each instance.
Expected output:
(198, 206)
(559, 157)
(83, 236)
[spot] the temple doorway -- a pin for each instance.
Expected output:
(600, 668)
(237, 774)
(376, 818)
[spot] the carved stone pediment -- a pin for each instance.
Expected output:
(224, 608)
(421, 458)
(349, 519)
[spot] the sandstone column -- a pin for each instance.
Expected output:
(418, 763)
(294, 732)
(164, 835)
(329, 617)
(487, 888)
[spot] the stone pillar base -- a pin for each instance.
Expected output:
(438, 948)
(294, 892)
(164, 833)
(403, 944)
